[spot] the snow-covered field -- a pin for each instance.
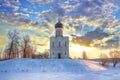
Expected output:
(59, 69)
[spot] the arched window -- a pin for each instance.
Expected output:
(65, 43)
(52, 44)
(59, 43)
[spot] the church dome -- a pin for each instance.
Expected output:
(58, 25)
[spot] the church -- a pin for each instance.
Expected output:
(59, 44)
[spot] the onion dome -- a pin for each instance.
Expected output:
(58, 25)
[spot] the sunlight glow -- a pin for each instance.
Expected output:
(77, 50)
(94, 65)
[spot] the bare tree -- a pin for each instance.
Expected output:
(12, 47)
(27, 48)
(104, 59)
(18, 47)
(84, 55)
(115, 55)
(38, 56)
(46, 54)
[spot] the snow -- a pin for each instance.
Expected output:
(55, 69)
(43, 65)
(94, 65)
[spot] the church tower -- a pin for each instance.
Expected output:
(59, 45)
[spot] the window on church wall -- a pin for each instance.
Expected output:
(65, 43)
(59, 43)
(53, 44)
(57, 33)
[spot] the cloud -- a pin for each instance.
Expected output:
(81, 18)
(13, 4)
(100, 10)
(41, 1)
(58, 10)
(97, 12)
(89, 37)
(110, 41)
(82, 8)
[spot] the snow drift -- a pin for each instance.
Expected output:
(42, 65)
(55, 69)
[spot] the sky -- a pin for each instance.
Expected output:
(92, 25)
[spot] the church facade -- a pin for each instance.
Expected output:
(59, 45)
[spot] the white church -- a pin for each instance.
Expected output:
(59, 45)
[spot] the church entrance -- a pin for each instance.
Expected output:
(59, 56)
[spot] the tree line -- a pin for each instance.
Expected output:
(20, 46)
(113, 57)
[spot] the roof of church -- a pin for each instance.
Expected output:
(58, 25)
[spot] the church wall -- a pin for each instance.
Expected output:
(59, 45)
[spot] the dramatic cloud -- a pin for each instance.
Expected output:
(85, 21)
(89, 37)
